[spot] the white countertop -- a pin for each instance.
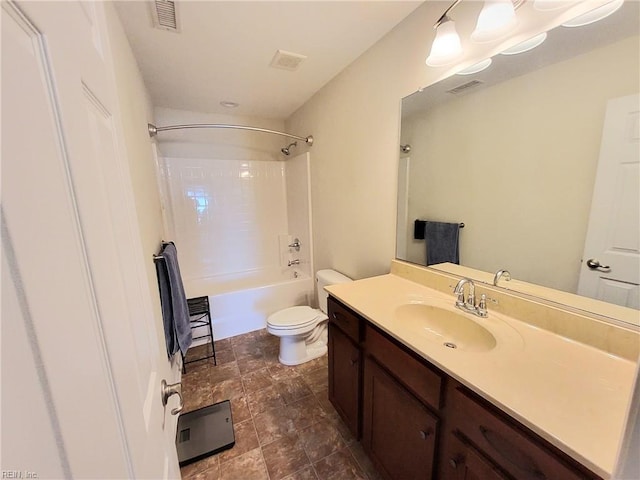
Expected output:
(573, 395)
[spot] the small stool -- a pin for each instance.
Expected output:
(200, 316)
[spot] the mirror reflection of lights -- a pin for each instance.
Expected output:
(595, 15)
(476, 67)
(525, 46)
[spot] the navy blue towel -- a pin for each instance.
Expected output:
(442, 242)
(418, 229)
(175, 311)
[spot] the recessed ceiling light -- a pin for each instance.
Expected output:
(229, 104)
(526, 45)
(475, 68)
(594, 15)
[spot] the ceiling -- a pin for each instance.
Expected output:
(223, 50)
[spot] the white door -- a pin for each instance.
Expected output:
(82, 358)
(611, 261)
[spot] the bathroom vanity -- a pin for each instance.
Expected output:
(432, 392)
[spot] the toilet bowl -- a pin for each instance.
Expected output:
(302, 329)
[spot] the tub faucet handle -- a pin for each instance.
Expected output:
(295, 244)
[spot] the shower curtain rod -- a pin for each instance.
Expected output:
(153, 130)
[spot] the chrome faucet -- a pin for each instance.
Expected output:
(501, 274)
(293, 262)
(295, 245)
(469, 305)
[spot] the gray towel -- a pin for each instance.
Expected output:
(442, 242)
(175, 311)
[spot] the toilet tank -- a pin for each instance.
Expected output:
(325, 278)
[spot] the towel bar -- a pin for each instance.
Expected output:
(461, 224)
(159, 256)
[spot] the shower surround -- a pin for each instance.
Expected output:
(232, 221)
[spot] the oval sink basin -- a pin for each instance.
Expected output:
(448, 327)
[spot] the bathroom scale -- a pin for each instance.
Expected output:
(204, 432)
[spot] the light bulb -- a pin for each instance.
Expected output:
(497, 18)
(446, 47)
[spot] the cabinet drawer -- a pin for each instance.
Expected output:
(424, 382)
(344, 319)
(517, 452)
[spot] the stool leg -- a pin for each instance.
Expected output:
(213, 346)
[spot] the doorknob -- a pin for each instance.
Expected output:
(168, 390)
(594, 264)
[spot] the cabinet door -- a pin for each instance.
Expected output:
(344, 378)
(399, 432)
(460, 461)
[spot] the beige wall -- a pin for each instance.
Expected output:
(524, 167)
(136, 111)
(355, 120)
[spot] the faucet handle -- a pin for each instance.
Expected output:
(482, 306)
(460, 300)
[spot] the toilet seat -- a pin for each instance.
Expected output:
(303, 330)
(294, 318)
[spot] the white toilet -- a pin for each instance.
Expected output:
(303, 330)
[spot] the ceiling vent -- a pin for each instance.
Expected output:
(287, 60)
(465, 87)
(165, 16)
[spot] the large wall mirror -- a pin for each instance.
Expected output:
(515, 154)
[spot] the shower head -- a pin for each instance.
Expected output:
(286, 151)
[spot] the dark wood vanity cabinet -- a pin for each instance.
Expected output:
(345, 364)
(464, 462)
(401, 396)
(481, 436)
(416, 422)
(398, 432)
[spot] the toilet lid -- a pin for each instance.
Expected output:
(293, 317)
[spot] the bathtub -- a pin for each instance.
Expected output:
(241, 302)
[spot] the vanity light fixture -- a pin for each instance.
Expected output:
(496, 19)
(525, 46)
(476, 67)
(550, 5)
(594, 15)
(446, 47)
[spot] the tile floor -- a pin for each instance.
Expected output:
(285, 427)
